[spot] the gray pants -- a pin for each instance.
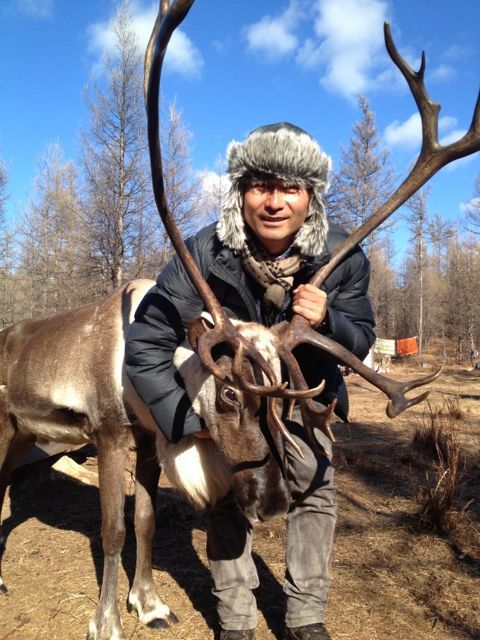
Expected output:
(309, 544)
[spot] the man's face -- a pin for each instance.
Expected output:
(275, 211)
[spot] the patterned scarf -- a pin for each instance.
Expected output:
(275, 276)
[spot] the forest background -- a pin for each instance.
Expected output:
(91, 225)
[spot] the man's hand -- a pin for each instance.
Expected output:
(311, 303)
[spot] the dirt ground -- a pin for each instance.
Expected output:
(391, 577)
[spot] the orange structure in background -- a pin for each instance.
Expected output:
(407, 347)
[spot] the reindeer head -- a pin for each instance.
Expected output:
(239, 424)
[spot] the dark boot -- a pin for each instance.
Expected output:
(315, 631)
(245, 634)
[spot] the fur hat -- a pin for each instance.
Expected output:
(281, 151)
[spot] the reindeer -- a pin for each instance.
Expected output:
(62, 378)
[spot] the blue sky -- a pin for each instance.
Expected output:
(236, 64)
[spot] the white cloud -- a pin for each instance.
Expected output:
(182, 56)
(207, 179)
(472, 206)
(345, 46)
(446, 122)
(452, 136)
(348, 39)
(101, 39)
(36, 8)
(274, 37)
(443, 72)
(408, 134)
(214, 185)
(457, 52)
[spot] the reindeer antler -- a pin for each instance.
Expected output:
(223, 331)
(433, 156)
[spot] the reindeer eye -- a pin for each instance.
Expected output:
(230, 394)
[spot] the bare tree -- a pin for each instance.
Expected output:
(418, 220)
(364, 178)
(115, 160)
(50, 238)
(183, 189)
(383, 287)
(215, 186)
(427, 267)
(439, 231)
(3, 184)
(473, 210)
(6, 255)
(463, 277)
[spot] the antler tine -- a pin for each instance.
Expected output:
(242, 348)
(271, 391)
(433, 156)
(394, 389)
(311, 415)
(314, 414)
(167, 20)
(428, 109)
(272, 409)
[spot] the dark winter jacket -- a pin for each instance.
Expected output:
(163, 316)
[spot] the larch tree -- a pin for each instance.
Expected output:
(463, 294)
(50, 239)
(6, 255)
(119, 200)
(426, 278)
(383, 286)
(183, 190)
(215, 185)
(364, 179)
(439, 231)
(418, 220)
(3, 187)
(472, 221)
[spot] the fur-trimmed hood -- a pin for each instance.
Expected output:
(282, 151)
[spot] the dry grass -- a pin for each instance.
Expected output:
(390, 580)
(435, 435)
(434, 430)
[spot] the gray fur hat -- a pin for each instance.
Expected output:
(282, 151)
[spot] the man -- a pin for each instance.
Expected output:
(272, 236)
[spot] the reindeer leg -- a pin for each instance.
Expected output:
(13, 446)
(112, 454)
(143, 598)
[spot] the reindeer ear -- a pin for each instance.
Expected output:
(196, 328)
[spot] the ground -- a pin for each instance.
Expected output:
(392, 577)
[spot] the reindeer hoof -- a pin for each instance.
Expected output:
(158, 623)
(153, 614)
(3, 588)
(162, 623)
